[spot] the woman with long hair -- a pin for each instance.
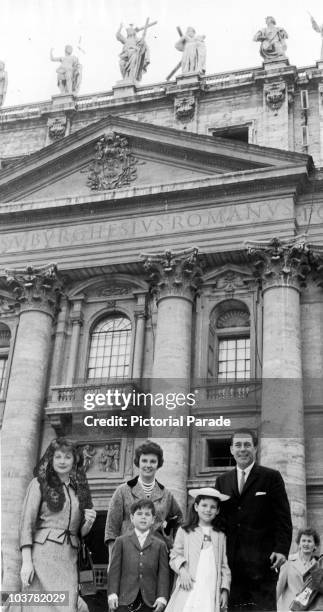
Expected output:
(56, 511)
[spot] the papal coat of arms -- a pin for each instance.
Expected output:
(114, 165)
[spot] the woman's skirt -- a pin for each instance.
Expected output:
(55, 579)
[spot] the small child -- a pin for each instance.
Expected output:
(138, 576)
(199, 558)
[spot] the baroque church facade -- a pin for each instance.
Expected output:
(173, 233)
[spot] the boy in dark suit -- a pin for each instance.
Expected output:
(138, 576)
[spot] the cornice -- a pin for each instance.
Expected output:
(244, 182)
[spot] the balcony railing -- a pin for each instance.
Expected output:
(210, 393)
(70, 398)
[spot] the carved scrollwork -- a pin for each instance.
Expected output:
(280, 262)
(35, 287)
(57, 127)
(275, 94)
(174, 273)
(113, 166)
(184, 108)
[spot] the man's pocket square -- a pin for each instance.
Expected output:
(261, 493)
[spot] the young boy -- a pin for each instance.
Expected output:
(138, 577)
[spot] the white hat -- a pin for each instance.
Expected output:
(208, 492)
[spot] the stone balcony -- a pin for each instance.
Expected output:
(235, 395)
(65, 404)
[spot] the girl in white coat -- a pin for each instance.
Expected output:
(199, 558)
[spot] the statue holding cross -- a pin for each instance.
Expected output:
(134, 57)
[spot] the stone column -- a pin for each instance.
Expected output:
(37, 292)
(283, 267)
(76, 318)
(175, 277)
(138, 353)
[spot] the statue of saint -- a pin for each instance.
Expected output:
(272, 38)
(194, 51)
(69, 72)
(134, 57)
(3, 82)
(319, 30)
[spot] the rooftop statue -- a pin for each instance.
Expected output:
(3, 82)
(69, 72)
(319, 30)
(272, 38)
(194, 51)
(134, 57)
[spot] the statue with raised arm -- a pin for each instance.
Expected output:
(193, 49)
(3, 82)
(319, 30)
(69, 72)
(273, 41)
(134, 57)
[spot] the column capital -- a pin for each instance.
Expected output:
(284, 263)
(174, 274)
(35, 288)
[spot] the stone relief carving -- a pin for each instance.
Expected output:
(273, 41)
(233, 318)
(109, 458)
(115, 290)
(134, 57)
(88, 452)
(69, 73)
(57, 127)
(275, 94)
(113, 166)
(184, 108)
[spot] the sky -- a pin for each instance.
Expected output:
(29, 28)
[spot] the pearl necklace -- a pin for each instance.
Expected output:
(147, 487)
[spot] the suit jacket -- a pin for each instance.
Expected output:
(258, 521)
(133, 568)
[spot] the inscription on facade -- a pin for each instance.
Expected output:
(154, 225)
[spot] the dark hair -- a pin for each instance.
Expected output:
(143, 503)
(52, 488)
(192, 520)
(244, 431)
(149, 448)
(308, 531)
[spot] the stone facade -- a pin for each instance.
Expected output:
(191, 212)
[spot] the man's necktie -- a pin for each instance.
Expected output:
(242, 481)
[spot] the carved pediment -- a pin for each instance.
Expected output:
(114, 154)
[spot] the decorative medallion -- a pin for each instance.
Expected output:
(114, 165)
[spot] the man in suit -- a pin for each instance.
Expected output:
(259, 526)
(138, 576)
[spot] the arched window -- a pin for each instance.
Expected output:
(110, 348)
(5, 336)
(229, 342)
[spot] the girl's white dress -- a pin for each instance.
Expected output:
(202, 596)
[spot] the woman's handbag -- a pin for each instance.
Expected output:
(85, 570)
(313, 586)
